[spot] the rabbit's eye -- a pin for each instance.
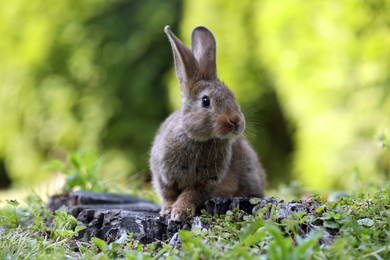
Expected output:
(205, 101)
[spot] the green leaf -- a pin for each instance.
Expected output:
(280, 245)
(310, 241)
(367, 222)
(101, 244)
(185, 234)
(251, 229)
(74, 159)
(79, 228)
(326, 216)
(55, 165)
(64, 233)
(253, 239)
(335, 215)
(330, 224)
(254, 201)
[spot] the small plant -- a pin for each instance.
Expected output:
(81, 170)
(13, 218)
(25, 232)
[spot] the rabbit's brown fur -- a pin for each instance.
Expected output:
(199, 151)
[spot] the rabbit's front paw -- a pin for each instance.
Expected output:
(181, 212)
(166, 210)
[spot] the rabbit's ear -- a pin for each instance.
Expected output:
(186, 66)
(204, 50)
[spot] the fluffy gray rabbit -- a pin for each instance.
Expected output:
(199, 151)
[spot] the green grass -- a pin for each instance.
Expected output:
(351, 227)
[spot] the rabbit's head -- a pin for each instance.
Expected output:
(209, 108)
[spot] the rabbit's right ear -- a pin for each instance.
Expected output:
(204, 49)
(186, 66)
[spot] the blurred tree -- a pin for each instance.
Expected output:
(144, 96)
(86, 75)
(330, 60)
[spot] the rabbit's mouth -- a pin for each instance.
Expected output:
(229, 126)
(230, 136)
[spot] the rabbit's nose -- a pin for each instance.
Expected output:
(236, 122)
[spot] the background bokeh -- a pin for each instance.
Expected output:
(312, 78)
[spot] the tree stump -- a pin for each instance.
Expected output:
(109, 216)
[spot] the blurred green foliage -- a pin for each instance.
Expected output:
(331, 62)
(328, 62)
(87, 75)
(81, 170)
(311, 76)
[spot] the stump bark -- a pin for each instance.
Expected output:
(109, 216)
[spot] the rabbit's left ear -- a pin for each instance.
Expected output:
(204, 49)
(186, 66)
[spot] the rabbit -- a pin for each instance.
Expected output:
(199, 151)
